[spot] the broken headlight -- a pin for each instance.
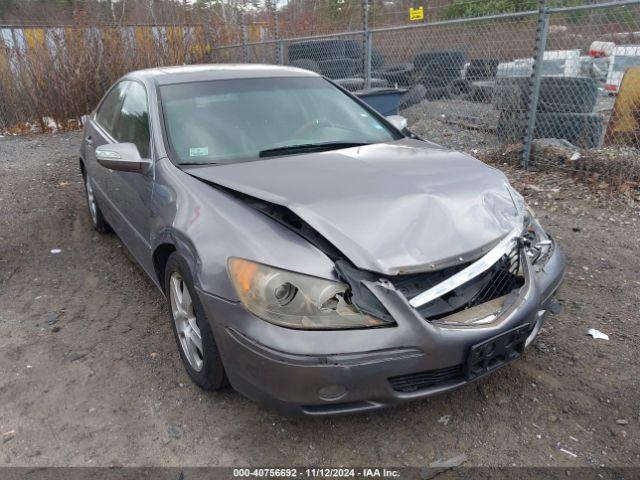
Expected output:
(537, 243)
(295, 300)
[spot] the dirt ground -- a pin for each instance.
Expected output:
(90, 374)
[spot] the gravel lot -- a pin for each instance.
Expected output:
(91, 374)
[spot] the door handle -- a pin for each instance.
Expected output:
(89, 140)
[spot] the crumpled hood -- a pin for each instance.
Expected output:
(390, 208)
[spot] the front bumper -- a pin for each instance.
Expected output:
(335, 372)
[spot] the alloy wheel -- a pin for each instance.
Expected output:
(184, 318)
(91, 200)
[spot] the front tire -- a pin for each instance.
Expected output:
(193, 335)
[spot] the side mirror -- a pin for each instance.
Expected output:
(397, 121)
(123, 157)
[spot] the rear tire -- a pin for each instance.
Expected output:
(97, 219)
(191, 329)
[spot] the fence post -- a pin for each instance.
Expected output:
(280, 52)
(273, 6)
(245, 36)
(366, 44)
(534, 82)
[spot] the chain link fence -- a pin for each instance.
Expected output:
(450, 71)
(543, 86)
(549, 87)
(589, 94)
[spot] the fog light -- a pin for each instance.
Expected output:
(332, 392)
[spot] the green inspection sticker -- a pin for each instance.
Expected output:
(198, 151)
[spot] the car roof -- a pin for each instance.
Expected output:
(227, 71)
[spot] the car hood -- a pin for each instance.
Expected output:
(391, 208)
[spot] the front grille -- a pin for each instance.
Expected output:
(499, 280)
(421, 380)
(503, 278)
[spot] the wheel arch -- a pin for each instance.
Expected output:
(168, 242)
(160, 256)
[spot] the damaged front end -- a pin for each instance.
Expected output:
(470, 294)
(379, 339)
(475, 301)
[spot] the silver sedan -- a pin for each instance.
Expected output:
(315, 255)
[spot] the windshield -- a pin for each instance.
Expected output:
(228, 121)
(621, 63)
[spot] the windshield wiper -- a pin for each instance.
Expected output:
(308, 147)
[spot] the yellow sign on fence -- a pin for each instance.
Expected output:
(416, 13)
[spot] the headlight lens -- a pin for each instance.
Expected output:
(538, 244)
(295, 300)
